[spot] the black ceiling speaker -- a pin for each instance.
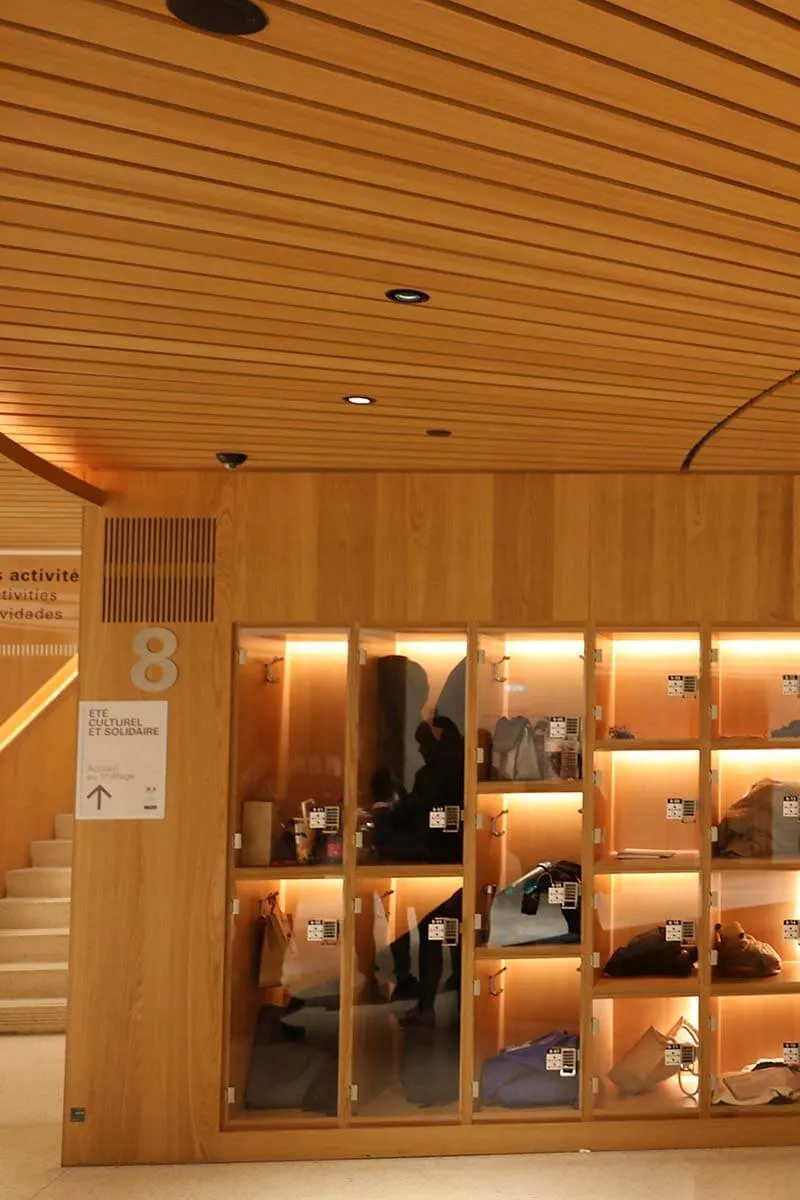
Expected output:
(233, 17)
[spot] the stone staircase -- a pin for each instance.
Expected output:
(34, 937)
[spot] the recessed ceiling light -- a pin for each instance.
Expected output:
(438, 433)
(407, 296)
(363, 400)
(233, 17)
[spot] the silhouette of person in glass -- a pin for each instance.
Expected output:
(421, 768)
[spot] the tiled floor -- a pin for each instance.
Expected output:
(30, 1099)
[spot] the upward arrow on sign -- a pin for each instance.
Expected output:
(99, 792)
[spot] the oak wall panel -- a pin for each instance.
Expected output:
(387, 550)
(37, 778)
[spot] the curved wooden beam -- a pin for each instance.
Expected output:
(737, 412)
(50, 473)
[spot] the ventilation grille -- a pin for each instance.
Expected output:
(159, 569)
(34, 650)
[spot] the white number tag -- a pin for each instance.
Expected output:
(681, 685)
(326, 932)
(444, 930)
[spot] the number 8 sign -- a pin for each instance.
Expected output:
(158, 660)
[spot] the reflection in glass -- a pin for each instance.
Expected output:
(411, 749)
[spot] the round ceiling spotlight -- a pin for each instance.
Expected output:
(236, 18)
(364, 401)
(407, 296)
(439, 433)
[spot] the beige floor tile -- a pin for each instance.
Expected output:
(31, 1081)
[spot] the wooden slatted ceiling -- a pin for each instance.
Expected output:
(197, 233)
(35, 515)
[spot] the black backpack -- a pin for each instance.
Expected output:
(650, 953)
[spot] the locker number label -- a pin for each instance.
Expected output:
(448, 819)
(791, 931)
(321, 931)
(791, 806)
(681, 685)
(791, 1054)
(444, 930)
(565, 895)
(681, 810)
(791, 685)
(678, 1055)
(679, 931)
(327, 818)
(564, 1060)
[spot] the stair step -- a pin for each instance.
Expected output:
(39, 881)
(34, 912)
(33, 981)
(33, 1016)
(65, 826)
(34, 945)
(56, 852)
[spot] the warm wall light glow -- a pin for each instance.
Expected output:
(543, 799)
(760, 647)
(432, 645)
(554, 648)
(663, 647)
(761, 760)
(298, 648)
(655, 758)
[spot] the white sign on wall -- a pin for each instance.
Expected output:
(122, 760)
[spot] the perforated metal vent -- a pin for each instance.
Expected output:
(159, 569)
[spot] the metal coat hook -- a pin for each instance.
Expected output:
(269, 675)
(267, 905)
(494, 990)
(493, 824)
(387, 912)
(496, 676)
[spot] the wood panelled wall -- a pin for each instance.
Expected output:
(37, 778)
(146, 978)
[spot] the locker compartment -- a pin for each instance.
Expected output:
(648, 686)
(285, 999)
(520, 1002)
(407, 1018)
(648, 800)
(290, 720)
(536, 678)
(641, 1047)
(411, 725)
(516, 832)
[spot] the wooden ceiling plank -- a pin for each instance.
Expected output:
(411, 76)
(315, 325)
(542, 358)
(312, 383)
(545, 162)
(425, 46)
(107, 260)
(94, 168)
(72, 344)
(753, 34)
(489, 421)
(556, 315)
(208, 255)
(643, 217)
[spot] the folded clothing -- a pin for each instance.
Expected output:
(764, 1082)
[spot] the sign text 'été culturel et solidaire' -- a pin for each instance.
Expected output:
(122, 760)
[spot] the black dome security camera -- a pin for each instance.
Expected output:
(230, 460)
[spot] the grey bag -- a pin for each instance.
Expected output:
(518, 749)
